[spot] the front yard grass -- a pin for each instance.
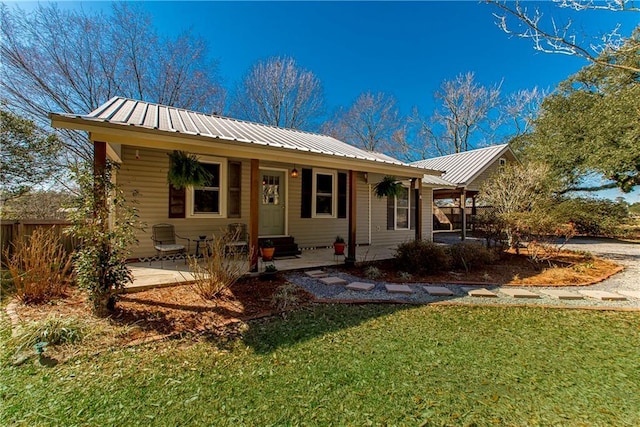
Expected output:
(353, 365)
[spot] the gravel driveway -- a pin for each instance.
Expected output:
(627, 254)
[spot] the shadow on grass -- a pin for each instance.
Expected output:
(267, 335)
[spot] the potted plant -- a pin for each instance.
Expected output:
(269, 272)
(267, 250)
(185, 170)
(338, 245)
(389, 186)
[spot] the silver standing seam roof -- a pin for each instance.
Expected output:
(135, 113)
(461, 168)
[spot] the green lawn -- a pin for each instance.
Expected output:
(355, 365)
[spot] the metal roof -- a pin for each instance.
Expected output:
(134, 113)
(462, 168)
(432, 180)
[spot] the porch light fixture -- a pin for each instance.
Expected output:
(294, 172)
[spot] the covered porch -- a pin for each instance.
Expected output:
(169, 273)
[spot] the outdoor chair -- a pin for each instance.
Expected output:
(237, 238)
(164, 241)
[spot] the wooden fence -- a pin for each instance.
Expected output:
(454, 215)
(12, 232)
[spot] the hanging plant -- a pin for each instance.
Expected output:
(389, 186)
(186, 170)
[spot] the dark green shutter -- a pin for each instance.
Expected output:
(235, 184)
(391, 213)
(307, 193)
(342, 195)
(177, 202)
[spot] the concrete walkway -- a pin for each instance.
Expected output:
(170, 273)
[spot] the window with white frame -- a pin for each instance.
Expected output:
(324, 193)
(403, 209)
(209, 199)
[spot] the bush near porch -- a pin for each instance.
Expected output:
(471, 262)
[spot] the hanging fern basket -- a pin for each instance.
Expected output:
(185, 170)
(389, 187)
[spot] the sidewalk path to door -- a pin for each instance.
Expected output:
(623, 287)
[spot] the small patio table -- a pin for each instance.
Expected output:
(200, 240)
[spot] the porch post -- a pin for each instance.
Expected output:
(418, 202)
(254, 206)
(99, 169)
(474, 212)
(351, 251)
(463, 204)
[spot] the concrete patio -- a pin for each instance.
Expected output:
(172, 272)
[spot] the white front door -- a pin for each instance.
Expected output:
(272, 203)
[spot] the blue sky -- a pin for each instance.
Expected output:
(403, 48)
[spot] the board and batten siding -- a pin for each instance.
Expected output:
(477, 183)
(144, 179)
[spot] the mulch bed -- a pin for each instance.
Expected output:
(567, 269)
(159, 313)
(169, 311)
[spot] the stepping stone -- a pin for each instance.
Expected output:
(519, 293)
(632, 294)
(481, 293)
(333, 281)
(604, 295)
(316, 274)
(438, 291)
(360, 286)
(562, 294)
(398, 289)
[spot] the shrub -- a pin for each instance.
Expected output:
(104, 222)
(420, 257)
(405, 276)
(39, 267)
(372, 272)
(593, 217)
(219, 269)
(52, 330)
(285, 297)
(470, 256)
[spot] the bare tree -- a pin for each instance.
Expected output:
(277, 92)
(519, 109)
(460, 118)
(372, 123)
(69, 61)
(526, 20)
